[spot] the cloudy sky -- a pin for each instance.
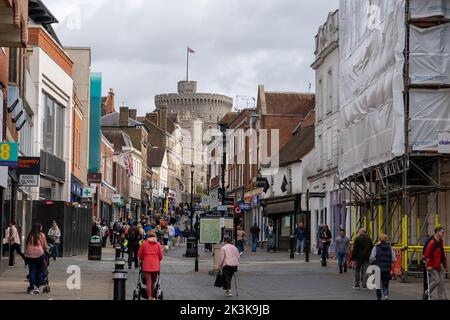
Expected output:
(140, 45)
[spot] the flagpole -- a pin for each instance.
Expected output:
(187, 64)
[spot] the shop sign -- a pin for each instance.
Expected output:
(9, 154)
(94, 177)
(444, 142)
(88, 192)
(29, 180)
(116, 198)
(29, 170)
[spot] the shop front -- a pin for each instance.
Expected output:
(76, 190)
(284, 213)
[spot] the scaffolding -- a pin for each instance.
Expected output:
(403, 197)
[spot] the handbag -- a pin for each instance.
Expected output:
(219, 280)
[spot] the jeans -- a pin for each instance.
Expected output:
(325, 251)
(55, 251)
(300, 246)
(104, 239)
(385, 278)
(361, 269)
(240, 245)
(170, 241)
(254, 243)
(36, 271)
(13, 248)
(342, 261)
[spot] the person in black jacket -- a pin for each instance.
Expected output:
(362, 248)
(325, 238)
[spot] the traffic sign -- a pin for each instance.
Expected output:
(9, 154)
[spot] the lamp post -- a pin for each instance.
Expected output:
(192, 218)
(223, 130)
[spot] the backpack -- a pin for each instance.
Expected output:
(132, 235)
(436, 245)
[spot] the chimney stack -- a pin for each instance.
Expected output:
(152, 117)
(124, 115)
(162, 123)
(133, 114)
(110, 103)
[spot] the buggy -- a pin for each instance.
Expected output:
(141, 289)
(44, 283)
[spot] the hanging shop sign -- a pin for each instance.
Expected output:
(29, 170)
(116, 198)
(88, 192)
(9, 154)
(94, 177)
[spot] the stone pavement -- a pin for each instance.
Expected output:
(261, 276)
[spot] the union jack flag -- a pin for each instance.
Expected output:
(128, 160)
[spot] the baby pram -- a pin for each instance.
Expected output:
(141, 289)
(44, 283)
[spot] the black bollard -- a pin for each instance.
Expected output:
(307, 249)
(120, 279)
(120, 264)
(118, 249)
(292, 239)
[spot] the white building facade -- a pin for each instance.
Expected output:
(49, 94)
(324, 183)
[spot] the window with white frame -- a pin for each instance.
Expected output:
(319, 99)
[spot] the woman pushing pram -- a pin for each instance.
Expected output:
(37, 256)
(150, 254)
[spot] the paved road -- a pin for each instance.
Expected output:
(261, 276)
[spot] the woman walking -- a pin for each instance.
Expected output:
(240, 239)
(36, 246)
(150, 253)
(383, 256)
(229, 261)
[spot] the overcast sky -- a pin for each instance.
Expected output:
(140, 45)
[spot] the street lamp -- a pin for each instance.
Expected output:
(192, 217)
(223, 130)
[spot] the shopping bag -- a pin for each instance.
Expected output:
(219, 281)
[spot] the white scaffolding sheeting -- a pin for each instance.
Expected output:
(430, 55)
(372, 41)
(430, 8)
(430, 115)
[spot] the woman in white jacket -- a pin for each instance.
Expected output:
(55, 236)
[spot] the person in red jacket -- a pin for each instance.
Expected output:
(150, 253)
(436, 263)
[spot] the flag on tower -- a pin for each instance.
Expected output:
(190, 50)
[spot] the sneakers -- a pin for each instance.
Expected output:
(386, 298)
(356, 287)
(241, 253)
(36, 290)
(425, 295)
(228, 294)
(297, 253)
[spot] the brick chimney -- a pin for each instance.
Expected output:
(152, 117)
(133, 114)
(110, 103)
(124, 115)
(162, 122)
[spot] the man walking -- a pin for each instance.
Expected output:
(342, 244)
(54, 235)
(436, 263)
(254, 231)
(362, 248)
(133, 245)
(300, 237)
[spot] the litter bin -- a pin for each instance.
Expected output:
(95, 248)
(191, 246)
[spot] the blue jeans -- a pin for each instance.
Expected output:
(254, 243)
(55, 251)
(240, 245)
(342, 261)
(385, 278)
(36, 271)
(300, 246)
